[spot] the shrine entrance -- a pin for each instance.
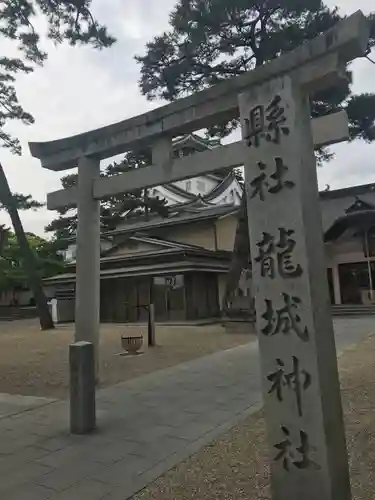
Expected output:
(301, 391)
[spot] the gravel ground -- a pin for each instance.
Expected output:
(235, 466)
(35, 363)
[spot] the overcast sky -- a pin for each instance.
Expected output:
(79, 89)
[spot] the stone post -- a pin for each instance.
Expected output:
(298, 357)
(151, 325)
(82, 388)
(87, 315)
(336, 283)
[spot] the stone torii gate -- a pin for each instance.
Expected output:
(298, 357)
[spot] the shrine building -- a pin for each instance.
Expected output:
(182, 260)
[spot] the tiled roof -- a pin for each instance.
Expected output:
(157, 262)
(360, 205)
(207, 143)
(220, 188)
(216, 191)
(176, 218)
(348, 191)
(152, 240)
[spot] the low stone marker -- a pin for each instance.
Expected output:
(151, 325)
(82, 387)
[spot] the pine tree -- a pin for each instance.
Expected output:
(212, 40)
(68, 21)
(114, 208)
(12, 272)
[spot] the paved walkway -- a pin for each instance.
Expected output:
(146, 426)
(11, 404)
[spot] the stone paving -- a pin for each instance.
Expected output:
(145, 426)
(11, 404)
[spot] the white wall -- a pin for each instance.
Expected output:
(170, 198)
(70, 253)
(345, 252)
(197, 185)
(203, 186)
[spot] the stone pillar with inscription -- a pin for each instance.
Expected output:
(297, 348)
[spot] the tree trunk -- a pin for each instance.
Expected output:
(28, 259)
(240, 258)
(3, 239)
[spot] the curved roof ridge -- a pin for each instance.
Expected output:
(196, 138)
(208, 196)
(360, 204)
(179, 191)
(196, 205)
(163, 241)
(220, 187)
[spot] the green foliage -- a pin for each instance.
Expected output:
(112, 209)
(67, 20)
(212, 40)
(4, 233)
(12, 273)
(24, 202)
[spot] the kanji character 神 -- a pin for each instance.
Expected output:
(297, 380)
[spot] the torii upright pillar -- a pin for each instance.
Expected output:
(87, 307)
